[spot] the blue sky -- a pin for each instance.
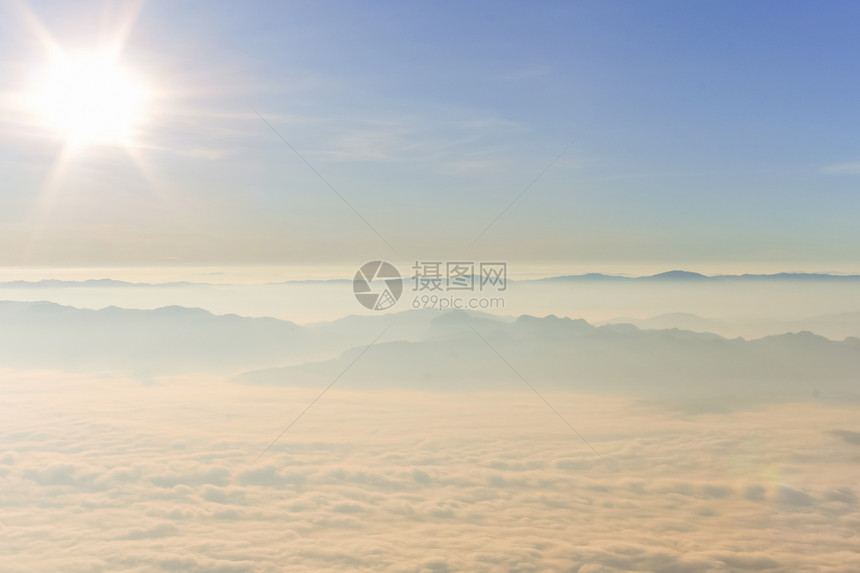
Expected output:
(725, 135)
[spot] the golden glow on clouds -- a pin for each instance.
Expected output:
(483, 483)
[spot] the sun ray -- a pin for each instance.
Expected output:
(149, 173)
(86, 99)
(42, 205)
(117, 29)
(37, 28)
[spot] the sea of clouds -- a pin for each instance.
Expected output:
(103, 474)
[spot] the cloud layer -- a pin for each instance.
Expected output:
(101, 474)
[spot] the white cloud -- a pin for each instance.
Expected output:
(836, 168)
(107, 475)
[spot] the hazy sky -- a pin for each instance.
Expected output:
(722, 134)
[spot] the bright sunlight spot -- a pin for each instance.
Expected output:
(91, 100)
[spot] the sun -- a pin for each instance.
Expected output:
(91, 100)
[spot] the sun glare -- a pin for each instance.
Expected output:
(91, 100)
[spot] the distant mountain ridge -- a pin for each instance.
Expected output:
(112, 283)
(426, 349)
(681, 276)
(668, 276)
(462, 353)
(165, 340)
(94, 283)
(175, 339)
(835, 326)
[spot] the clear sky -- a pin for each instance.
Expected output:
(722, 135)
